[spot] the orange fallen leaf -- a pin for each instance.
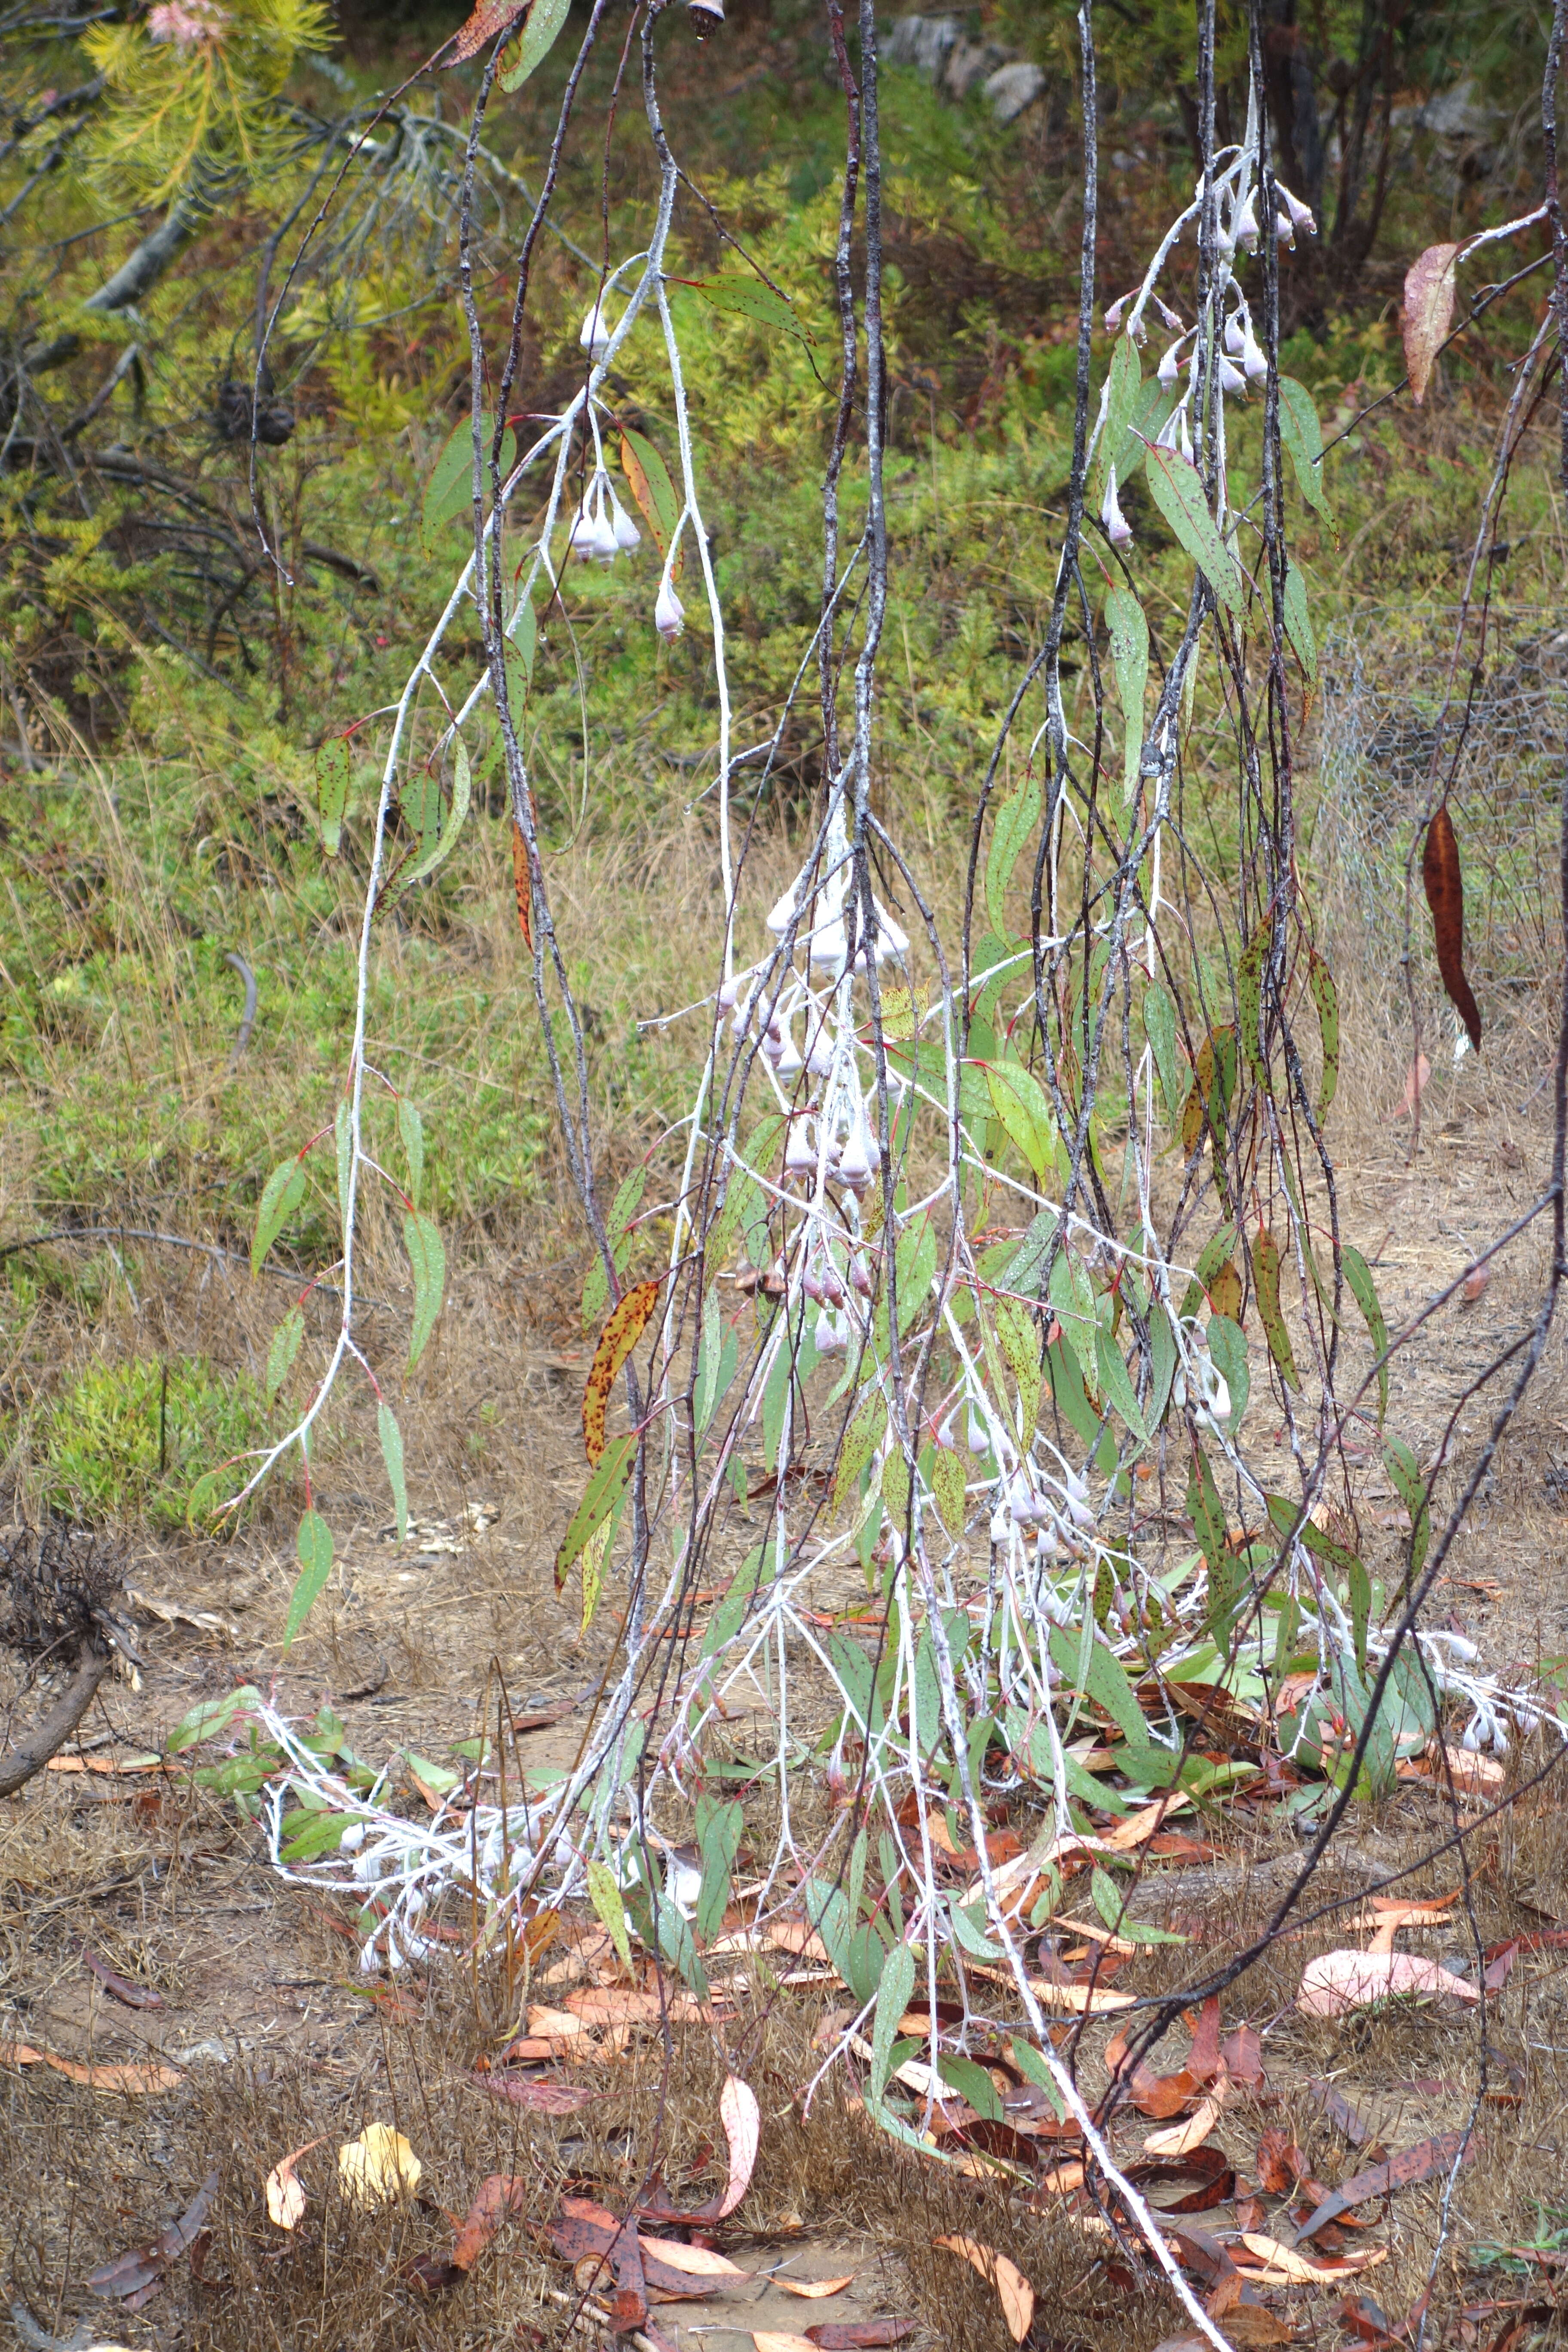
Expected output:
(1180, 2139)
(285, 2197)
(1385, 1919)
(96, 2078)
(1062, 2180)
(815, 2289)
(1475, 1284)
(1013, 2292)
(773, 2339)
(104, 1764)
(1340, 1981)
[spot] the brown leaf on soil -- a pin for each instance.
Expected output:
(132, 2273)
(1281, 2163)
(852, 2334)
(501, 2194)
(96, 2078)
(816, 2290)
(1248, 2324)
(489, 20)
(1338, 2111)
(1412, 2164)
(1428, 312)
(542, 2098)
(1202, 2058)
(620, 1335)
(779, 2339)
(1241, 2053)
(1080, 2000)
(1209, 2167)
(1181, 2139)
(1446, 897)
(1014, 2293)
(583, 2232)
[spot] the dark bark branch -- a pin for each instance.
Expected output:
(50, 1736)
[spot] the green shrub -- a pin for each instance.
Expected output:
(133, 1439)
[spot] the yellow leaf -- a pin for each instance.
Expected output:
(378, 2166)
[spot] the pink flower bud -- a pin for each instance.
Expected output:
(669, 613)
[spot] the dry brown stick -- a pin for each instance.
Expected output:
(49, 1737)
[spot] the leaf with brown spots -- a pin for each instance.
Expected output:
(490, 21)
(1412, 2164)
(1429, 311)
(1446, 897)
(616, 1340)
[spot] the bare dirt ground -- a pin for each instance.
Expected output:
(271, 2038)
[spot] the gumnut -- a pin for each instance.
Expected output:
(669, 613)
(594, 337)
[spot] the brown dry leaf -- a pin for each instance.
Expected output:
(1476, 1285)
(1474, 1775)
(1093, 2000)
(1282, 2266)
(743, 2121)
(136, 2079)
(563, 2024)
(1412, 2164)
(1138, 1827)
(1428, 312)
(774, 2339)
(1013, 2292)
(133, 2277)
(1062, 2180)
(1182, 2138)
(127, 1764)
(1446, 897)
(285, 2197)
(1340, 1981)
(620, 1335)
(500, 2194)
(816, 2290)
(378, 2166)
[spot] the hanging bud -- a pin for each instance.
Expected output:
(592, 534)
(1114, 315)
(595, 335)
(1231, 379)
(1118, 529)
(1254, 365)
(1300, 215)
(1235, 335)
(626, 534)
(978, 1437)
(669, 613)
(1170, 368)
(705, 16)
(1244, 224)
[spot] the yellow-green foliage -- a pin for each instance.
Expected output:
(192, 83)
(133, 1438)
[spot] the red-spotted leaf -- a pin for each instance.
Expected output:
(1428, 312)
(489, 20)
(616, 1340)
(1446, 897)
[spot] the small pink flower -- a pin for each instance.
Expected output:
(186, 22)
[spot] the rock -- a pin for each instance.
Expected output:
(923, 43)
(1013, 88)
(1455, 114)
(968, 64)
